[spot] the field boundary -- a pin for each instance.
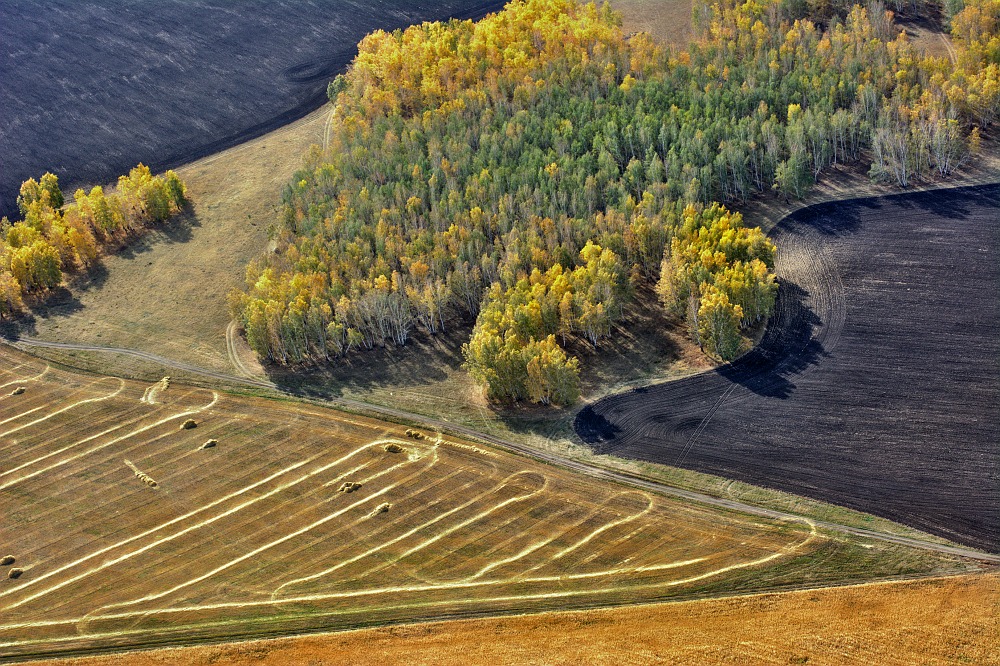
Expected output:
(548, 457)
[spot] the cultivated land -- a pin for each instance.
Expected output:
(166, 82)
(166, 296)
(949, 621)
(130, 532)
(876, 383)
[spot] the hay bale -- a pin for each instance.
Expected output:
(415, 434)
(146, 478)
(210, 444)
(18, 391)
(6, 559)
(409, 432)
(349, 487)
(393, 447)
(381, 508)
(190, 423)
(15, 573)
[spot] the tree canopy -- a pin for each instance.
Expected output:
(55, 237)
(530, 169)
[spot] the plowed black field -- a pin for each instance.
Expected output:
(88, 88)
(877, 383)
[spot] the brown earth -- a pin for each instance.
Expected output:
(942, 621)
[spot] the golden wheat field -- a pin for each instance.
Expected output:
(141, 515)
(953, 620)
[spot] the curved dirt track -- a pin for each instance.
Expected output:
(877, 383)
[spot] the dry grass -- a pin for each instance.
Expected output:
(259, 539)
(666, 20)
(167, 293)
(944, 621)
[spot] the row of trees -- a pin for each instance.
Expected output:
(467, 156)
(55, 237)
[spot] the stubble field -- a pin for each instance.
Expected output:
(130, 532)
(876, 383)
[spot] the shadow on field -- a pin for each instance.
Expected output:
(425, 360)
(787, 348)
(901, 421)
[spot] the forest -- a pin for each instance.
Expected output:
(55, 237)
(530, 170)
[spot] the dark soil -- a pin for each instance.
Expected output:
(89, 88)
(877, 383)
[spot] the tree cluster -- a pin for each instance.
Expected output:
(722, 273)
(513, 350)
(54, 237)
(467, 158)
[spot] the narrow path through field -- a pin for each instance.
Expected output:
(948, 46)
(233, 351)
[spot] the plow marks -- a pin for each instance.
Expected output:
(254, 536)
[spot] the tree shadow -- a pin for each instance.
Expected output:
(787, 349)
(179, 229)
(424, 360)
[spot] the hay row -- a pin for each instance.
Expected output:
(385, 544)
(65, 461)
(162, 540)
(257, 551)
(465, 523)
(25, 379)
(142, 476)
(121, 386)
(190, 528)
(788, 549)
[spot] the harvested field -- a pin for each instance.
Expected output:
(91, 88)
(876, 383)
(256, 540)
(945, 621)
